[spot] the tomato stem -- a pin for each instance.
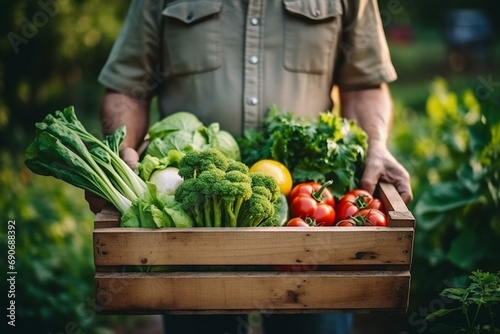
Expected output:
(360, 202)
(317, 195)
(310, 221)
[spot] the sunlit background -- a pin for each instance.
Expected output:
(445, 131)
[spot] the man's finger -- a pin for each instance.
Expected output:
(130, 156)
(369, 180)
(96, 203)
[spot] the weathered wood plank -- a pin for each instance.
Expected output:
(397, 211)
(259, 291)
(253, 246)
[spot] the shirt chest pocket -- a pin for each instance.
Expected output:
(311, 29)
(191, 36)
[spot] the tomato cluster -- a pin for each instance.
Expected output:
(312, 204)
(359, 208)
(313, 200)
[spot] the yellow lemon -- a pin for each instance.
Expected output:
(277, 170)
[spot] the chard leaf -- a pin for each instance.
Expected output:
(115, 140)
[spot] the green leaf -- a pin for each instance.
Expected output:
(453, 293)
(441, 312)
(447, 329)
(466, 250)
(115, 140)
(130, 218)
(179, 121)
(440, 199)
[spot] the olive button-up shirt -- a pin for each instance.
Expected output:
(228, 61)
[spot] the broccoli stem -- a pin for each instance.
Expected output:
(236, 208)
(230, 216)
(207, 212)
(217, 211)
(198, 217)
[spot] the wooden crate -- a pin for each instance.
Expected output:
(357, 268)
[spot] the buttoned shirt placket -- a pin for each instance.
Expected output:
(253, 64)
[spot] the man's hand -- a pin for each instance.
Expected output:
(380, 165)
(131, 158)
(119, 109)
(372, 109)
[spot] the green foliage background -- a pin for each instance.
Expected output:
(445, 132)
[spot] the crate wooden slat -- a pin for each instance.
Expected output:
(352, 260)
(254, 291)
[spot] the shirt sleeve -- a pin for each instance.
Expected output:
(364, 58)
(133, 64)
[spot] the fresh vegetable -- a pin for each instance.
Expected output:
(313, 200)
(297, 221)
(259, 207)
(319, 191)
(328, 147)
(365, 217)
(218, 191)
(157, 171)
(64, 149)
(183, 131)
(166, 180)
(373, 217)
(277, 170)
(353, 201)
(281, 213)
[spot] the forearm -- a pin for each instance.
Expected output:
(372, 109)
(119, 109)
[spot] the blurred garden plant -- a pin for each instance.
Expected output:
(480, 298)
(452, 153)
(54, 262)
(460, 208)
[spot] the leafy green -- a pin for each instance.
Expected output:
(64, 149)
(183, 132)
(328, 147)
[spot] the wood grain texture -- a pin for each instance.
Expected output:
(260, 291)
(253, 246)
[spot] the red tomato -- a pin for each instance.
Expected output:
(312, 189)
(376, 204)
(346, 222)
(345, 209)
(313, 200)
(297, 222)
(353, 201)
(373, 217)
(359, 192)
(306, 206)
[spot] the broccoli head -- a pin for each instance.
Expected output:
(195, 162)
(218, 191)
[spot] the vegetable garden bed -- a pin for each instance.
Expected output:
(236, 270)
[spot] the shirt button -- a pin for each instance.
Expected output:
(254, 21)
(253, 101)
(254, 60)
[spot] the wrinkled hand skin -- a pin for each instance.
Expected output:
(380, 165)
(131, 158)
